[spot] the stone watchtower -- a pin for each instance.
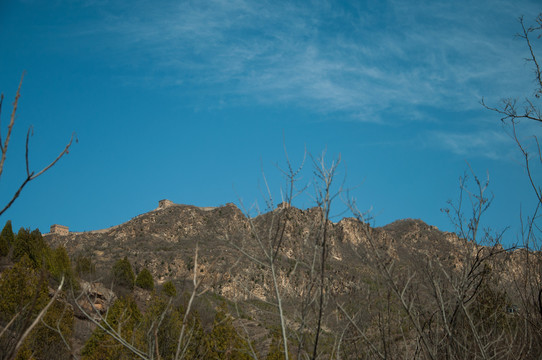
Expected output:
(59, 229)
(162, 204)
(283, 205)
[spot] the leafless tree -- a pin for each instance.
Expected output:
(516, 117)
(4, 145)
(459, 308)
(462, 309)
(447, 310)
(300, 255)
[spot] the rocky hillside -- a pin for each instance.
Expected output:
(390, 284)
(164, 241)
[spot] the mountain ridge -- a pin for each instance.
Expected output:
(164, 239)
(246, 261)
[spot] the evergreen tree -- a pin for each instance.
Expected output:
(23, 294)
(61, 265)
(123, 274)
(144, 280)
(22, 287)
(169, 289)
(7, 238)
(31, 244)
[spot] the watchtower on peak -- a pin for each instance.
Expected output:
(283, 205)
(165, 203)
(59, 229)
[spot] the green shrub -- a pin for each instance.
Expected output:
(169, 289)
(144, 280)
(123, 274)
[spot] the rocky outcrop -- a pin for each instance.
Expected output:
(94, 300)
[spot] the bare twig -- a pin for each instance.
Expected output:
(196, 283)
(30, 175)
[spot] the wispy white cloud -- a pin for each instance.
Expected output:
(483, 143)
(367, 62)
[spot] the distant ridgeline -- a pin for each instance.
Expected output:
(57, 229)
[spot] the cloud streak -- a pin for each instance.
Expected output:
(381, 63)
(322, 57)
(485, 144)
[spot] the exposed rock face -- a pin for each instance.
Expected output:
(164, 241)
(97, 300)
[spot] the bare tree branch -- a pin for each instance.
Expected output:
(30, 175)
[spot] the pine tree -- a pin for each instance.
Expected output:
(22, 287)
(60, 265)
(144, 280)
(7, 239)
(31, 244)
(123, 274)
(23, 293)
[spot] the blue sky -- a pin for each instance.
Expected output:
(192, 100)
